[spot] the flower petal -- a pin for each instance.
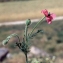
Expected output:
(49, 20)
(45, 12)
(53, 15)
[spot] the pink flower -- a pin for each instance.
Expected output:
(49, 16)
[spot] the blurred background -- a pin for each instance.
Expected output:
(50, 42)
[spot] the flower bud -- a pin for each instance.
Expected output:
(8, 38)
(28, 22)
(5, 42)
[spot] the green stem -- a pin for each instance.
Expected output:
(26, 29)
(26, 40)
(36, 26)
(26, 58)
(18, 38)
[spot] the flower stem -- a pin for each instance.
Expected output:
(18, 38)
(36, 26)
(26, 29)
(26, 57)
(26, 40)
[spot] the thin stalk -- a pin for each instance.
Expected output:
(26, 29)
(36, 26)
(18, 38)
(26, 40)
(26, 57)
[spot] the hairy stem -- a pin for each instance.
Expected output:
(18, 38)
(36, 26)
(26, 57)
(26, 29)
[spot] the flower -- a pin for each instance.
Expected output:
(49, 16)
